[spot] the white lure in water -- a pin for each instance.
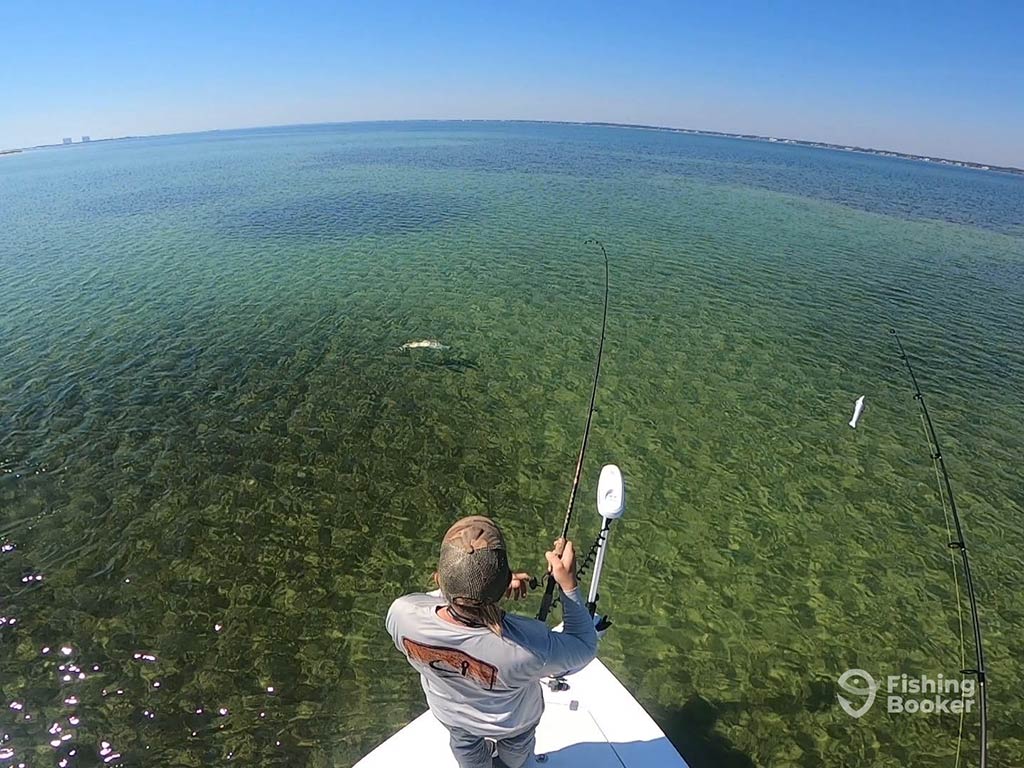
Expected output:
(858, 409)
(425, 344)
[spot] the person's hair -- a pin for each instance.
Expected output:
(487, 614)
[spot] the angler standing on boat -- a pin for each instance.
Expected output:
(481, 668)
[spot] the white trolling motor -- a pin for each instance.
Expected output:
(611, 503)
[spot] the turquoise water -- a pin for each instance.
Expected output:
(214, 453)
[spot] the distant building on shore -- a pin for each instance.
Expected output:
(66, 140)
(85, 139)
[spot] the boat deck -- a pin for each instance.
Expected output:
(596, 723)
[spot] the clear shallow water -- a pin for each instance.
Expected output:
(213, 452)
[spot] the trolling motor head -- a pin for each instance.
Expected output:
(611, 493)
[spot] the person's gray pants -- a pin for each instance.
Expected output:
(474, 752)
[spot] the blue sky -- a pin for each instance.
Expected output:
(925, 76)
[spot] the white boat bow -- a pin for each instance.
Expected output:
(594, 723)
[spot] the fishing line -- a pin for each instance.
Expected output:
(959, 543)
(549, 588)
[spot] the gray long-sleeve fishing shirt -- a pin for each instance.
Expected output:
(483, 683)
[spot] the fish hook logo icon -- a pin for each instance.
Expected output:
(869, 690)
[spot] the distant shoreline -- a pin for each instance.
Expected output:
(792, 142)
(1008, 169)
(92, 141)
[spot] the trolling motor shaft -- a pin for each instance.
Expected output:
(611, 503)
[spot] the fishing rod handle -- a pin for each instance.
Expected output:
(547, 600)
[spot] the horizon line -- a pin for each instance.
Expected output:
(809, 143)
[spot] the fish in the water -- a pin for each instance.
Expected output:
(858, 409)
(424, 344)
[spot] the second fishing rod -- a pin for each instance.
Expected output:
(959, 544)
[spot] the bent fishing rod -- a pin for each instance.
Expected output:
(960, 543)
(549, 588)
